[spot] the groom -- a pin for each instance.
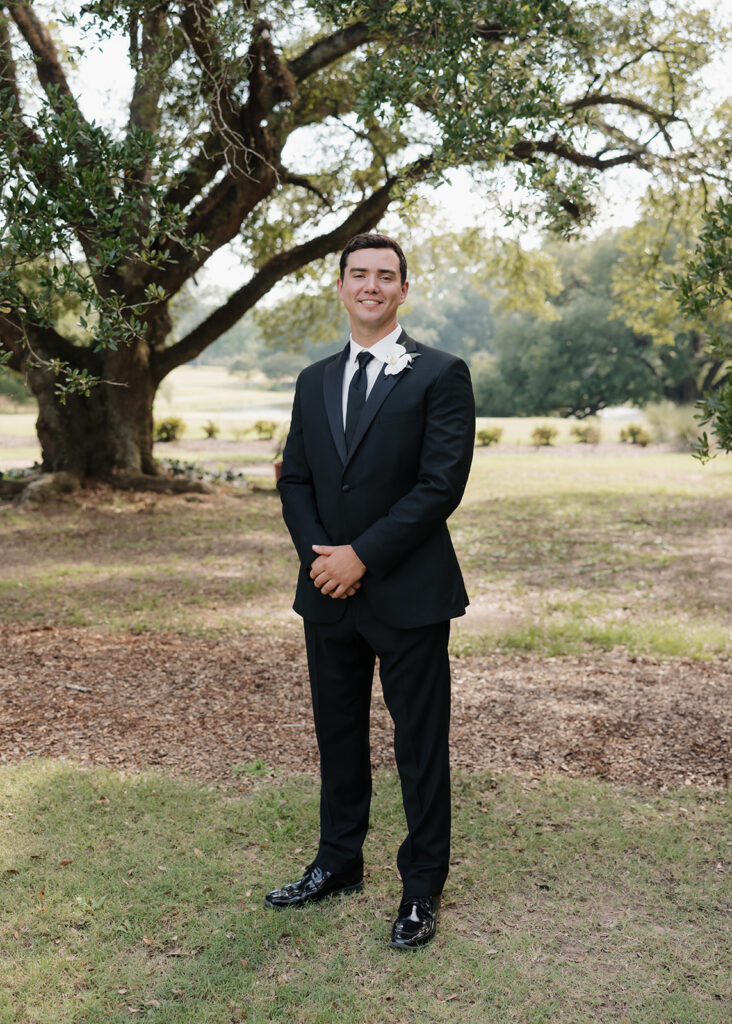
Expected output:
(376, 460)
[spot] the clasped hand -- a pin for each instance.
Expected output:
(337, 571)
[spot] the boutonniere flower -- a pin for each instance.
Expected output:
(398, 360)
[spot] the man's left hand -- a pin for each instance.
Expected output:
(337, 570)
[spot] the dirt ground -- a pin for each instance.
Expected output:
(202, 707)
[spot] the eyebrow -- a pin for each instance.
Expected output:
(364, 270)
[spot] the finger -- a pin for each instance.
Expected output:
(323, 549)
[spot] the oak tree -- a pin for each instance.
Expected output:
(281, 128)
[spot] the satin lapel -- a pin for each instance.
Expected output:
(333, 395)
(382, 387)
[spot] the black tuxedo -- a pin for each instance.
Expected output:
(389, 497)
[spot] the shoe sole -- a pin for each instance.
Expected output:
(315, 899)
(410, 947)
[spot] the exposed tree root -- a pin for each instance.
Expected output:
(159, 484)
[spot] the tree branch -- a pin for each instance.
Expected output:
(207, 49)
(328, 50)
(17, 336)
(287, 178)
(48, 67)
(526, 151)
(659, 118)
(52, 78)
(202, 169)
(600, 99)
(8, 72)
(145, 102)
(363, 218)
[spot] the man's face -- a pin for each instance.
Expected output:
(372, 292)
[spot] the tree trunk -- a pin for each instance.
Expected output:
(110, 430)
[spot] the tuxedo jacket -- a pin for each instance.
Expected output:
(391, 494)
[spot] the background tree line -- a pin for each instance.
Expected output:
(554, 331)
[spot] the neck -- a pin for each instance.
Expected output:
(365, 338)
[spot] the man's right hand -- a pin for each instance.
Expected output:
(337, 570)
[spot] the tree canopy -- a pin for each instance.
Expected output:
(705, 294)
(281, 129)
(591, 352)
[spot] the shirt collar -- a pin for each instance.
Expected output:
(381, 350)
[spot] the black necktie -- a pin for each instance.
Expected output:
(356, 396)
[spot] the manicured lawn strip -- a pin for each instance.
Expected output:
(566, 553)
(596, 552)
(568, 901)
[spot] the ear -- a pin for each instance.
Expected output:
(405, 289)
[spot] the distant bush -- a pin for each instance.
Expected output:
(265, 429)
(544, 434)
(244, 364)
(170, 429)
(635, 433)
(586, 433)
(488, 435)
(675, 424)
(281, 438)
(211, 429)
(14, 387)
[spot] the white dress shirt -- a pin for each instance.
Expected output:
(380, 351)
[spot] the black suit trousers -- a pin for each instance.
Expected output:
(415, 677)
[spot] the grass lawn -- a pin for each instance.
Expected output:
(569, 901)
(562, 553)
(128, 896)
(568, 551)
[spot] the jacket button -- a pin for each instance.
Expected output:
(346, 488)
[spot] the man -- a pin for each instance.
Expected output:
(376, 460)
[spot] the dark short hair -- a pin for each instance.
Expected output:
(370, 240)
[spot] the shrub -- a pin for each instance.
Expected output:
(489, 435)
(586, 433)
(170, 429)
(211, 429)
(265, 429)
(281, 438)
(14, 387)
(672, 423)
(635, 433)
(544, 434)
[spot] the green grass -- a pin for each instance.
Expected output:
(562, 554)
(200, 393)
(568, 901)
(18, 424)
(140, 563)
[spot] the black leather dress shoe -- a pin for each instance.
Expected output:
(416, 922)
(315, 885)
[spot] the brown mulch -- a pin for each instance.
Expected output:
(200, 707)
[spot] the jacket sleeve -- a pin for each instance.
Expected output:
(444, 465)
(299, 508)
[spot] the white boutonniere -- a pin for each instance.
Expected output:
(398, 360)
